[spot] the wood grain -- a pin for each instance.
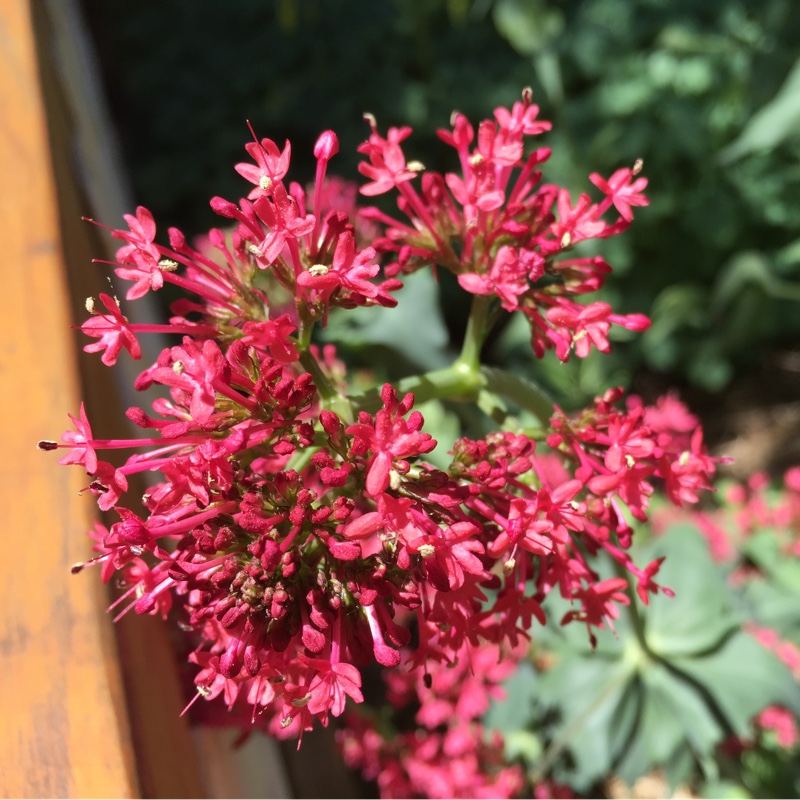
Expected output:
(64, 727)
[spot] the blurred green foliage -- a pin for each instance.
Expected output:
(708, 94)
(666, 692)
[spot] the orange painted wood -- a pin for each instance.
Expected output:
(166, 761)
(63, 722)
(75, 719)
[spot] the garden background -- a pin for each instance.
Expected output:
(708, 95)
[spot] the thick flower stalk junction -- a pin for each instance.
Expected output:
(297, 531)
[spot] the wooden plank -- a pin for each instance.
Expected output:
(160, 742)
(64, 729)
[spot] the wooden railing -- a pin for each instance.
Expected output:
(76, 720)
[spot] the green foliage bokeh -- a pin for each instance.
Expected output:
(708, 94)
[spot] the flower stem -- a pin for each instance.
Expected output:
(525, 393)
(477, 329)
(456, 382)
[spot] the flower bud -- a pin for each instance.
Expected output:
(327, 146)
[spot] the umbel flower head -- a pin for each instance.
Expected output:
(297, 530)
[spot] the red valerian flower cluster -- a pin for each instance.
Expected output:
(450, 754)
(297, 529)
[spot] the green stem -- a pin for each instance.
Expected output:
(331, 399)
(525, 393)
(456, 382)
(478, 327)
(462, 380)
(306, 328)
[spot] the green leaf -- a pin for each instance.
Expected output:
(701, 613)
(680, 768)
(675, 728)
(773, 606)
(774, 123)
(523, 744)
(743, 678)
(414, 329)
(674, 697)
(726, 790)
(745, 268)
(764, 547)
(529, 25)
(515, 710)
(587, 692)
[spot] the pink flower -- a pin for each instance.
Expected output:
(273, 337)
(113, 331)
(389, 438)
(452, 554)
(783, 722)
(349, 272)
(691, 472)
(524, 528)
(387, 167)
(331, 686)
(271, 166)
(622, 192)
(580, 222)
(627, 441)
(298, 548)
(521, 120)
(284, 221)
(140, 237)
(508, 277)
(586, 326)
(81, 439)
(599, 603)
(194, 370)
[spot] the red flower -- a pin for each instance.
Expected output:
(622, 192)
(272, 166)
(81, 439)
(113, 331)
(331, 686)
(389, 438)
(387, 167)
